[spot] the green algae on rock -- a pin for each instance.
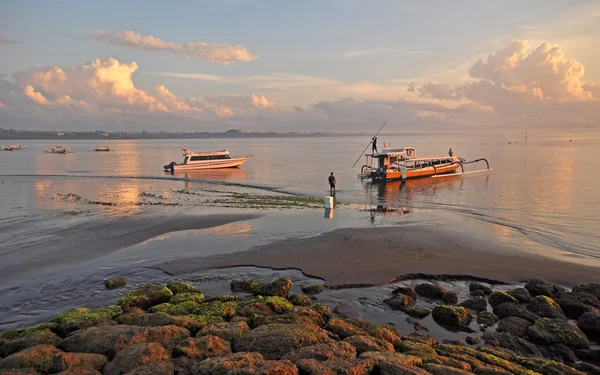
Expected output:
(556, 331)
(145, 297)
(453, 316)
(313, 289)
(187, 297)
(178, 287)
(225, 310)
(115, 282)
(499, 297)
(545, 307)
(300, 300)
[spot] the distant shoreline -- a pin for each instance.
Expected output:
(11, 134)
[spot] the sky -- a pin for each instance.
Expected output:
(302, 66)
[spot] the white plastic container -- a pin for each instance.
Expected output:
(328, 202)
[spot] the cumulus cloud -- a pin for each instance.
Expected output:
(229, 105)
(216, 53)
(4, 40)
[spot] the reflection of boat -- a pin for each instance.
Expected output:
(222, 174)
(206, 160)
(58, 150)
(394, 164)
(103, 148)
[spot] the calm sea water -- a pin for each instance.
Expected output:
(546, 189)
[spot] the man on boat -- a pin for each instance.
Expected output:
(374, 150)
(450, 153)
(331, 184)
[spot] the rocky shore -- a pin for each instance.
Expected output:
(264, 329)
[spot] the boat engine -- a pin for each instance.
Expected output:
(170, 167)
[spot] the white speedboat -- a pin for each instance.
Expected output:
(206, 160)
(58, 150)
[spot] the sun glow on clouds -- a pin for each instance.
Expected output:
(216, 53)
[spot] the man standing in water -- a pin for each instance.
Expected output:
(374, 150)
(332, 184)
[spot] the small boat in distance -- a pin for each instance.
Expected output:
(11, 147)
(102, 148)
(58, 150)
(206, 160)
(394, 164)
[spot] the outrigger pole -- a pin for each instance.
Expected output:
(369, 144)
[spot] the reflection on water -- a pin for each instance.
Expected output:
(236, 228)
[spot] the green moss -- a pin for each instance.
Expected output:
(225, 310)
(499, 297)
(180, 287)
(322, 309)
(182, 308)
(195, 323)
(456, 350)
(415, 348)
(300, 300)
(451, 315)
(277, 304)
(313, 289)
(186, 297)
(145, 297)
(247, 286)
(21, 332)
(545, 366)
(557, 331)
(225, 298)
(82, 317)
(115, 282)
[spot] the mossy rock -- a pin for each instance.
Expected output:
(545, 307)
(499, 297)
(300, 300)
(225, 310)
(546, 366)
(225, 298)
(277, 304)
(280, 287)
(187, 297)
(115, 282)
(539, 287)
(182, 308)
(430, 290)
(145, 297)
(557, 331)
(464, 353)
(178, 287)
(39, 337)
(486, 319)
(507, 309)
(475, 303)
(82, 317)
(344, 328)
(228, 331)
(473, 287)
(247, 286)
(313, 289)
(522, 295)
(195, 323)
(406, 304)
(20, 332)
(452, 316)
(296, 315)
(415, 347)
(511, 342)
(591, 288)
(323, 310)
(449, 297)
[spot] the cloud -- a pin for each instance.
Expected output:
(4, 40)
(229, 105)
(215, 53)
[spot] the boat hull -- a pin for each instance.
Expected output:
(212, 164)
(417, 173)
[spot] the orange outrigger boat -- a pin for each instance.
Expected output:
(394, 164)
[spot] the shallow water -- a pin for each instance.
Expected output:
(540, 198)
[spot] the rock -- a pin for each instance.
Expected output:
(476, 304)
(226, 331)
(422, 337)
(146, 320)
(300, 300)
(545, 307)
(322, 309)
(587, 368)
(473, 287)
(194, 323)
(145, 297)
(472, 340)
(66, 361)
(539, 287)
(224, 310)
(189, 297)
(80, 371)
(154, 368)
(297, 315)
(406, 304)
(178, 287)
(589, 323)
(556, 331)
(247, 286)
(313, 289)
(545, 366)
(344, 328)
(477, 293)
(515, 325)
(558, 352)
(201, 348)
(591, 288)
(511, 342)
(136, 355)
(511, 309)
(244, 363)
(486, 319)
(278, 304)
(182, 308)
(430, 290)
(520, 294)
(575, 304)
(589, 355)
(115, 282)
(394, 363)
(280, 287)
(369, 344)
(491, 371)
(44, 336)
(453, 316)
(81, 317)
(415, 348)
(38, 357)
(335, 366)
(21, 332)
(109, 340)
(444, 370)
(499, 297)
(323, 352)
(275, 340)
(405, 290)
(20, 371)
(450, 297)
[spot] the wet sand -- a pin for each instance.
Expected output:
(376, 256)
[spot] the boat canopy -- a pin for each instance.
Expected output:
(210, 153)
